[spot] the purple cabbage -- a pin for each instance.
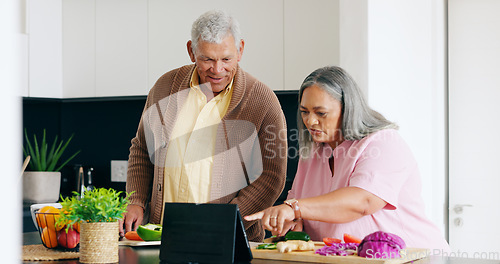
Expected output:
(381, 245)
(338, 249)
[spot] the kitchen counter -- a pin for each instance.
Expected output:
(149, 255)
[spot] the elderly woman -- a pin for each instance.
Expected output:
(355, 175)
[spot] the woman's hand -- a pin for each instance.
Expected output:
(277, 219)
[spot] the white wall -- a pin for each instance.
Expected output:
(404, 76)
(353, 37)
(12, 40)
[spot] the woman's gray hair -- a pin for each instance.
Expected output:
(213, 26)
(358, 119)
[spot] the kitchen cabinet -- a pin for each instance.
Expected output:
(121, 47)
(261, 23)
(311, 38)
(79, 48)
(284, 40)
(105, 48)
(43, 23)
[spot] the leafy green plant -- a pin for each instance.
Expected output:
(98, 205)
(45, 157)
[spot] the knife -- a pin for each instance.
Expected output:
(274, 239)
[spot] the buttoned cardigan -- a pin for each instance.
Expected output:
(254, 124)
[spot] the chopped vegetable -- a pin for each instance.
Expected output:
(351, 239)
(150, 232)
(132, 235)
(338, 249)
(330, 240)
(267, 246)
(294, 245)
(297, 235)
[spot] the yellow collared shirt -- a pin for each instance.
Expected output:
(188, 165)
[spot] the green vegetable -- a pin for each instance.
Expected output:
(150, 232)
(297, 235)
(267, 246)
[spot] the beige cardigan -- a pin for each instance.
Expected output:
(253, 131)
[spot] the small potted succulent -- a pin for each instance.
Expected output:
(42, 180)
(97, 212)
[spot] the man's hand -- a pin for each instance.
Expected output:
(131, 219)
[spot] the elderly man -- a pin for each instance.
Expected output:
(209, 133)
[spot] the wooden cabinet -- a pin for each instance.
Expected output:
(121, 47)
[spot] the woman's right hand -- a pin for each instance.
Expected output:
(277, 219)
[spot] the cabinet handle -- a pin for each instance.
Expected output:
(459, 208)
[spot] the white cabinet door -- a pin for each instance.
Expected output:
(121, 39)
(105, 48)
(474, 81)
(121, 47)
(45, 48)
(311, 32)
(79, 57)
(261, 23)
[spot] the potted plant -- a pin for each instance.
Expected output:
(97, 212)
(42, 181)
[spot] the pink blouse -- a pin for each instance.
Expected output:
(382, 164)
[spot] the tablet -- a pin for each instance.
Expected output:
(203, 233)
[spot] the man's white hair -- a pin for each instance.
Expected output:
(213, 26)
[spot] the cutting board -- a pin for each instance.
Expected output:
(408, 254)
(136, 243)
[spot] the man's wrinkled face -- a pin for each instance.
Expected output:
(216, 62)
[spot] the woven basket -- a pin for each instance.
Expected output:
(99, 242)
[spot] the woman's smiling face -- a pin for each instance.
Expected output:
(322, 115)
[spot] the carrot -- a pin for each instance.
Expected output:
(132, 235)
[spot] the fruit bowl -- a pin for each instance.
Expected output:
(52, 234)
(36, 207)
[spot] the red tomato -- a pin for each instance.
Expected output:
(351, 239)
(330, 240)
